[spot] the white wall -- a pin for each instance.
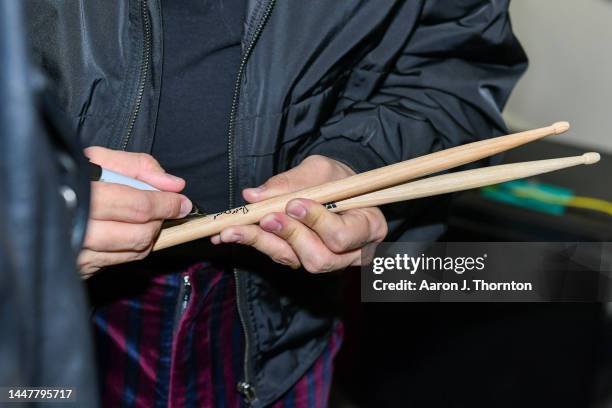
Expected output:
(569, 44)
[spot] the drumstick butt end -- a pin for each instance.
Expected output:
(561, 127)
(591, 158)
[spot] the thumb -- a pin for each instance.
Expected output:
(275, 186)
(312, 171)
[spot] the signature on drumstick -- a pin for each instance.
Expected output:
(238, 210)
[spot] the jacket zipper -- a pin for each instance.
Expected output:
(244, 387)
(144, 71)
(186, 293)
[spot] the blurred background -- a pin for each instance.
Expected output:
(511, 355)
(569, 44)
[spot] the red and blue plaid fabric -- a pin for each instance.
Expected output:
(154, 354)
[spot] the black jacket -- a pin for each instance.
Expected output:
(365, 82)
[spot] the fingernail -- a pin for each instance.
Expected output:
(296, 266)
(216, 239)
(271, 225)
(257, 190)
(185, 207)
(174, 179)
(297, 210)
(234, 237)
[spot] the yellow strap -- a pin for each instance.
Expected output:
(589, 203)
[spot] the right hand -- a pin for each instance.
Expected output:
(124, 222)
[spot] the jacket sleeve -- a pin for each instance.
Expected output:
(446, 85)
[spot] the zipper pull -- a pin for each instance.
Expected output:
(186, 291)
(246, 390)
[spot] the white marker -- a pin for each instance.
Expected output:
(99, 173)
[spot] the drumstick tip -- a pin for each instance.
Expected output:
(560, 127)
(591, 158)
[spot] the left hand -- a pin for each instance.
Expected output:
(308, 234)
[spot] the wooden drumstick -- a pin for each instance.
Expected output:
(460, 181)
(358, 184)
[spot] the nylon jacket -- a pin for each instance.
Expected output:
(368, 83)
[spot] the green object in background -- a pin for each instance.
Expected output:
(530, 194)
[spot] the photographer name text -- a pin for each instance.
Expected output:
(464, 286)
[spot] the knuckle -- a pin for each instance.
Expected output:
(317, 217)
(142, 208)
(382, 232)
(280, 181)
(315, 159)
(146, 161)
(323, 165)
(319, 264)
(339, 240)
(103, 195)
(250, 238)
(246, 234)
(87, 263)
(139, 255)
(88, 270)
(89, 239)
(292, 234)
(99, 189)
(328, 168)
(96, 236)
(83, 260)
(173, 206)
(378, 226)
(283, 259)
(145, 253)
(146, 238)
(140, 244)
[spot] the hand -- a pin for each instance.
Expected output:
(308, 234)
(123, 221)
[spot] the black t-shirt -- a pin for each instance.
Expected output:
(201, 57)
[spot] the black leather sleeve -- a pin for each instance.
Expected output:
(445, 87)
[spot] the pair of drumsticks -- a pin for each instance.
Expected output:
(384, 185)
